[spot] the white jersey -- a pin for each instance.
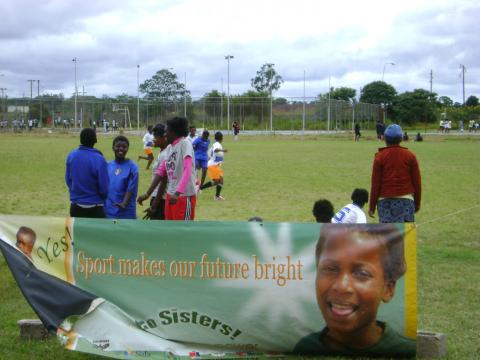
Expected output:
(215, 158)
(174, 155)
(350, 214)
(148, 140)
(161, 157)
(191, 139)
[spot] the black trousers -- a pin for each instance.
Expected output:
(94, 212)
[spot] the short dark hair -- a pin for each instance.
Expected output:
(88, 137)
(192, 127)
(359, 197)
(159, 130)
(149, 128)
(25, 230)
(218, 135)
(120, 138)
(178, 125)
(323, 211)
(389, 237)
(206, 133)
(255, 219)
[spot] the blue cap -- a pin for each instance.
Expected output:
(393, 132)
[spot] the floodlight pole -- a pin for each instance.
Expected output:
(138, 97)
(328, 112)
(303, 115)
(463, 82)
(185, 96)
(76, 92)
(384, 65)
(228, 57)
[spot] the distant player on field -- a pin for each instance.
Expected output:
(147, 147)
(353, 213)
(215, 171)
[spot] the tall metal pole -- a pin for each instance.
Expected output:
(221, 104)
(76, 93)
(228, 57)
(138, 97)
(431, 81)
(185, 96)
(463, 82)
(303, 115)
(384, 65)
(328, 112)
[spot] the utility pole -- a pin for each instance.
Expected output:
(228, 57)
(138, 97)
(463, 81)
(76, 92)
(431, 81)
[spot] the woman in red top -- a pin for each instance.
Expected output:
(396, 183)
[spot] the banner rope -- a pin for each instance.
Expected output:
(448, 215)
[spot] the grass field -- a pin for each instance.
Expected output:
(279, 178)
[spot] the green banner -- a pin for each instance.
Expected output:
(230, 289)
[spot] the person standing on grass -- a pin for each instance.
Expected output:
(353, 213)
(86, 176)
(200, 146)
(357, 132)
(215, 171)
(161, 142)
(177, 174)
(396, 182)
(236, 130)
(123, 175)
(147, 147)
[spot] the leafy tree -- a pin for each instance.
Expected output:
(164, 85)
(445, 101)
(378, 92)
(267, 79)
(472, 101)
(343, 93)
(280, 101)
(213, 101)
(415, 106)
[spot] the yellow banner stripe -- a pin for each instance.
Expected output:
(411, 280)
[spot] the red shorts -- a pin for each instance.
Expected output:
(184, 209)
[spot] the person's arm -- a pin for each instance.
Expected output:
(375, 186)
(153, 207)
(153, 185)
(417, 184)
(186, 174)
(103, 179)
(132, 187)
(68, 175)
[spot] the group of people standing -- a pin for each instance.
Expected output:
(99, 189)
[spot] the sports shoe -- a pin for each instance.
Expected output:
(219, 198)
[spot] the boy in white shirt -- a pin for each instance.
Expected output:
(353, 213)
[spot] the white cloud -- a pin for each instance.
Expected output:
(348, 41)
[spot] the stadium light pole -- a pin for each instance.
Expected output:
(303, 115)
(228, 57)
(383, 76)
(76, 92)
(384, 65)
(185, 96)
(138, 97)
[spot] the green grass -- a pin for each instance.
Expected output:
(279, 178)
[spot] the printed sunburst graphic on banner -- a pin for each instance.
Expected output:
(275, 250)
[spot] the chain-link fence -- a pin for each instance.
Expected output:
(258, 113)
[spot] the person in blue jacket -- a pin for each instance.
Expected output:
(87, 178)
(123, 174)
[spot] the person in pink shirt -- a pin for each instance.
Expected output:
(177, 173)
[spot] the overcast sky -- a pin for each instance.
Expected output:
(350, 42)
